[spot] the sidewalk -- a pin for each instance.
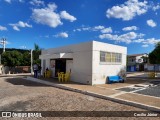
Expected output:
(125, 93)
(18, 74)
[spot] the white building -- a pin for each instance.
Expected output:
(89, 62)
(136, 62)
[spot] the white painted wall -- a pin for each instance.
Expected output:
(69, 66)
(86, 67)
(150, 67)
(1, 66)
(82, 67)
(82, 60)
(101, 71)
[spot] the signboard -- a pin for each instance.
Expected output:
(139, 61)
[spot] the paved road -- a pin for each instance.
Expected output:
(140, 74)
(17, 94)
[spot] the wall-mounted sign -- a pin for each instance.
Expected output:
(139, 61)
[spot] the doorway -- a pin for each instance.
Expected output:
(60, 66)
(141, 67)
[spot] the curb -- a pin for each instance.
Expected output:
(147, 78)
(121, 101)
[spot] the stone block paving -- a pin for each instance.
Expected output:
(149, 96)
(148, 100)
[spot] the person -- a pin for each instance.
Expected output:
(35, 68)
(46, 72)
(47, 69)
(39, 70)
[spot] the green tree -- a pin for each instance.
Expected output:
(36, 53)
(36, 47)
(12, 58)
(26, 59)
(154, 56)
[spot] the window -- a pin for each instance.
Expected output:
(102, 56)
(110, 57)
(114, 59)
(118, 57)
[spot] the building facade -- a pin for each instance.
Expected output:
(137, 62)
(88, 63)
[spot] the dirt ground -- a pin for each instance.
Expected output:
(17, 94)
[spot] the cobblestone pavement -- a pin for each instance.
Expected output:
(17, 94)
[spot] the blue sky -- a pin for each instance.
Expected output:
(53, 23)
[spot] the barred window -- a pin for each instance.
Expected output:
(102, 56)
(110, 57)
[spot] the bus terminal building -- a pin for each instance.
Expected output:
(89, 62)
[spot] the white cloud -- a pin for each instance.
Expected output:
(83, 28)
(46, 36)
(62, 35)
(47, 16)
(67, 16)
(86, 28)
(2, 28)
(130, 28)
(145, 46)
(138, 41)
(21, 1)
(131, 37)
(128, 10)
(37, 2)
(151, 23)
(127, 38)
(149, 41)
(78, 29)
(99, 27)
(16, 28)
(107, 30)
(23, 47)
(21, 24)
(157, 7)
(8, 1)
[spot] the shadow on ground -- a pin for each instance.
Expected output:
(18, 106)
(20, 81)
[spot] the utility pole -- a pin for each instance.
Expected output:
(3, 42)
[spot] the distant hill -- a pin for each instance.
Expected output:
(12, 49)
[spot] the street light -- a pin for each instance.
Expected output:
(0, 59)
(31, 62)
